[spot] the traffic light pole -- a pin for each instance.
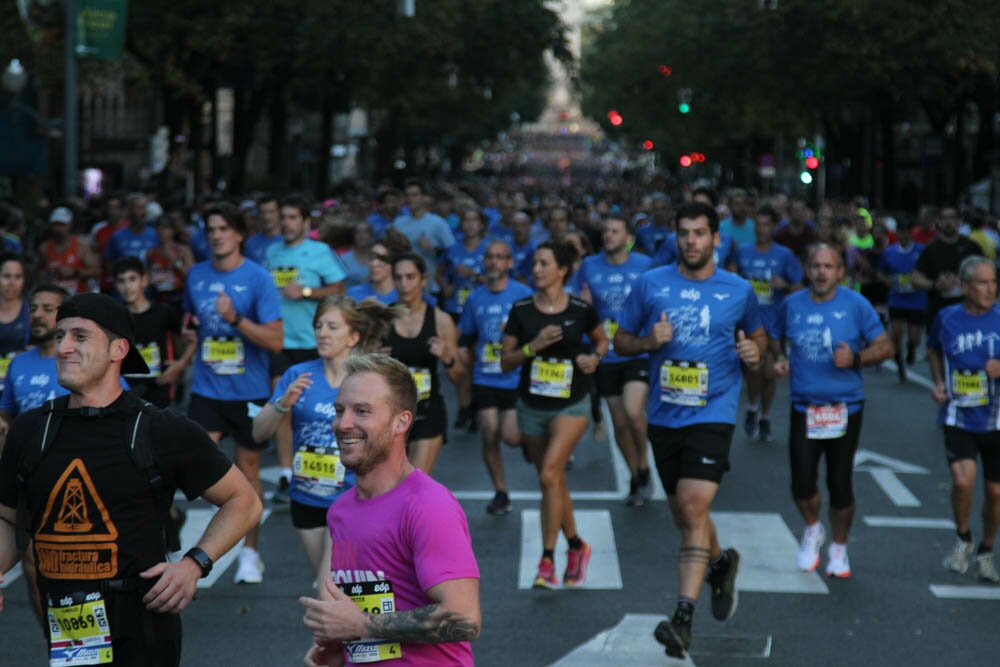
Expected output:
(69, 101)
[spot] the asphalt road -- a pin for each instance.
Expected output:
(899, 607)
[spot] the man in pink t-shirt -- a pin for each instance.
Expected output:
(404, 583)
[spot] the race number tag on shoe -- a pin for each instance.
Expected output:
(764, 290)
(318, 470)
(421, 378)
(284, 275)
(490, 358)
(224, 355)
(826, 422)
(79, 633)
(970, 389)
(372, 597)
(552, 378)
(684, 383)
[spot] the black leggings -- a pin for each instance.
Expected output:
(805, 454)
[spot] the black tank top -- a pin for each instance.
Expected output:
(416, 354)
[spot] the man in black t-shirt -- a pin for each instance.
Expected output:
(94, 517)
(157, 335)
(936, 271)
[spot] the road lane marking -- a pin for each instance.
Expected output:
(11, 575)
(894, 488)
(767, 553)
(623, 476)
(911, 376)
(864, 457)
(966, 592)
(592, 525)
(194, 528)
(630, 642)
(908, 522)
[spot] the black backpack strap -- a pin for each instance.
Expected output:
(31, 458)
(140, 439)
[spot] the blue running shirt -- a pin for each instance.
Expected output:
(609, 285)
(898, 264)
(311, 264)
(695, 378)
(758, 267)
(484, 318)
(318, 477)
(966, 342)
(366, 290)
(814, 331)
(455, 256)
(227, 366)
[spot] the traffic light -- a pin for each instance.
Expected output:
(664, 70)
(698, 157)
(812, 162)
(647, 145)
(686, 161)
(684, 100)
(806, 177)
(615, 118)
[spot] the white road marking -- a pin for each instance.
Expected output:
(194, 528)
(986, 592)
(908, 522)
(594, 526)
(11, 575)
(630, 642)
(894, 488)
(767, 553)
(623, 475)
(862, 457)
(911, 376)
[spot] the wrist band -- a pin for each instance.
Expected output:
(527, 351)
(281, 410)
(236, 322)
(857, 361)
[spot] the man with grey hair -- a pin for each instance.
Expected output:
(964, 357)
(401, 542)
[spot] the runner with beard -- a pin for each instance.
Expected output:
(698, 324)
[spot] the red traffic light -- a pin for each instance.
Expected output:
(812, 162)
(698, 157)
(647, 145)
(664, 70)
(615, 118)
(686, 161)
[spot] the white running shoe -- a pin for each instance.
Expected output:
(812, 539)
(985, 569)
(960, 556)
(837, 564)
(250, 568)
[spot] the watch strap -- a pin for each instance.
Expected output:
(203, 560)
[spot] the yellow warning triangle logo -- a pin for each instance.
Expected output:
(75, 512)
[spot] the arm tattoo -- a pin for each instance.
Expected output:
(423, 625)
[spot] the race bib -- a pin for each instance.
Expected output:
(422, 378)
(684, 383)
(463, 296)
(552, 378)
(826, 422)
(904, 282)
(489, 358)
(764, 290)
(610, 327)
(970, 389)
(318, 470)
(224, 355)
(5, 364)
(163, 278)
(79, 633)
(283, 275)
(372, 597)
(151, 355)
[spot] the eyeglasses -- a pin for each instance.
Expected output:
(500, 257)
(382, 258)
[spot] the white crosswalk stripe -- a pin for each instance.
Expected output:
(593, 526)
(194, 528)
(11, 575)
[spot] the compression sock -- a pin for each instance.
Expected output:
(549, 553)
(965, 537)
(983, 549)
(575, 542)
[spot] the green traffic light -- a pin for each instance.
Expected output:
(684, 107)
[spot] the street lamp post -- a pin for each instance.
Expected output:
(69, 100)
